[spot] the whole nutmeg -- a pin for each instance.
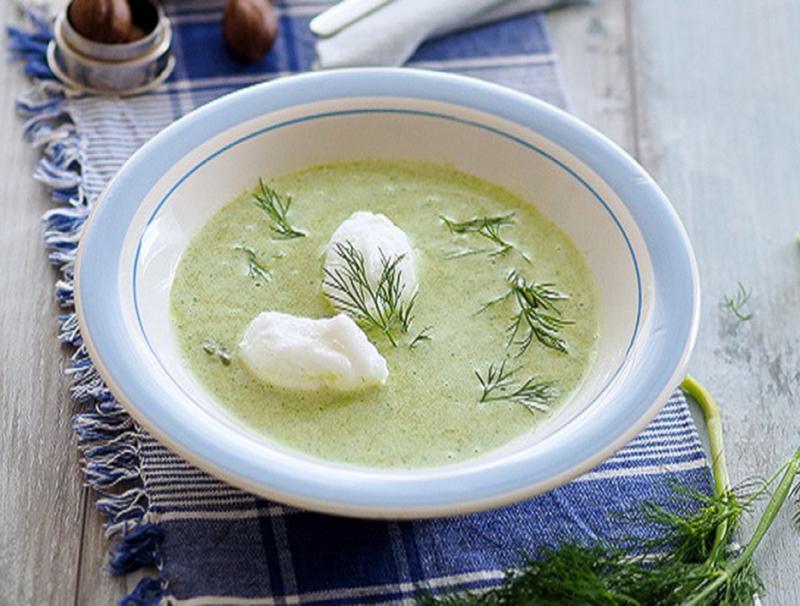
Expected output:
(249, 27)
(102, 20)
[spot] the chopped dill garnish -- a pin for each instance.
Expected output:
(498, 385)
(737, 303)
(254, 269)
(276, 208)
(212, 348)
(381, 305)
(537, 315)
(424, 335)
(487, 227)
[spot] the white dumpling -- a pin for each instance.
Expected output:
(377, 239)
(305, 354)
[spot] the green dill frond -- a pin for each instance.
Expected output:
(423, 335)
(489, 228)
(497, 378)
(498, 385)
(537, 317)
(570, 574)
(254, 268)
(276, 207)
(603, 574)
(457, 253)
(693, 537)
(737, 303)
(690, 563)
(380, 306)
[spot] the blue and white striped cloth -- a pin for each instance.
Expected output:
(213, 544)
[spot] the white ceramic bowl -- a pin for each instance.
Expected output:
(626, 229)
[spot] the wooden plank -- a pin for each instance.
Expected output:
(52, 548)
(592, 44)
(40, 483)
(718, 97)
(96, 587)
(688, 131)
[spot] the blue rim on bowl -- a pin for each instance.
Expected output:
(370, 493)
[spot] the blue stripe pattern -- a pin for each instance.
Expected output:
(216, 543)
(220, 541)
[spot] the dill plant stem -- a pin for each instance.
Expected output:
(713, 421)
(770, 512)
(682, 576)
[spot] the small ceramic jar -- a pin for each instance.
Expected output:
(124, 68)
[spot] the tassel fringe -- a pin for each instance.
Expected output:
(107, 436)
(149, 592)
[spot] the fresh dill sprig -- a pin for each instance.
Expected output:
(737, 303)
(276, 208)
(487, 227)
(537, 316)
(383, 305)
(212, 348)
(254, 269)
(498, 385)
(423, 335)
(688, 565)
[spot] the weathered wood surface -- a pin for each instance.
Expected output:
(52, 549)
(709, 105)
(719, 90)
(41, 496)
(705, 94)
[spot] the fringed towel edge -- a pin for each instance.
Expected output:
(108, 438)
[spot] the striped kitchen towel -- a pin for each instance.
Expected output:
(213, 544)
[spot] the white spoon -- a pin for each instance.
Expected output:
(343, 14)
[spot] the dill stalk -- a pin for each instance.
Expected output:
(719, 465)
(767, 517)
(689, 574)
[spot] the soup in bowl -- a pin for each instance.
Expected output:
(387, 293)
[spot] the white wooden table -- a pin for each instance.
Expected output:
(705, 94)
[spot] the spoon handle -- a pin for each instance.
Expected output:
(343, 14)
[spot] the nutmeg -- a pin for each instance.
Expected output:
(107, 21)
(249, 27)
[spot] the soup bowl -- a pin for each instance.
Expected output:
(621, 222)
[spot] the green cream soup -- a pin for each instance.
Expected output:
(429, 412)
